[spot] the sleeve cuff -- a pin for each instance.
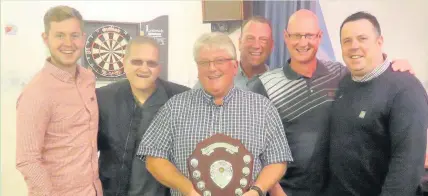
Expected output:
(275, 161)
(152, 152)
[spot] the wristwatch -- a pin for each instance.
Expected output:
(256, 188)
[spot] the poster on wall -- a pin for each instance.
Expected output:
(106, 44)
(158, 30)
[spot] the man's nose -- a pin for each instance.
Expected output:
(303, 41)
(354, 44)
(256, 44)
(212, 66)
(67, 41)
(144, 67)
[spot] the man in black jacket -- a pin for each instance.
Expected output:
(126, 110)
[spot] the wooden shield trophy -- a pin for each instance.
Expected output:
(220, 165)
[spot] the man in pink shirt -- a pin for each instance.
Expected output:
(57, 116)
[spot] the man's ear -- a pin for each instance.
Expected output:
(240, 42)
(285, 35)
(380, 41)
(272, 45)
(321, 34)
(235, 67)
(45, 38)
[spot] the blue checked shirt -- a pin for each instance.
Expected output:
(375, 72)
(190, 117)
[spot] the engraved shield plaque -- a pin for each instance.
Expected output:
(221, 165)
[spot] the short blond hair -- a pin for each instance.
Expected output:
(61, 13)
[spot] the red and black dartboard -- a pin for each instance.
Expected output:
(105, 49)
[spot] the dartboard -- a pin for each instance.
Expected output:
(105, 49)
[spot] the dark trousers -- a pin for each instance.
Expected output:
(423, 187)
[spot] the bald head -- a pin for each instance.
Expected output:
(303, 36)
(303, 20)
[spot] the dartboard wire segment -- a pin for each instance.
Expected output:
(105, 49)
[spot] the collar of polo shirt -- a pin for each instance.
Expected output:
(321, 70)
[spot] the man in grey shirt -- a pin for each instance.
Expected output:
(218, 107)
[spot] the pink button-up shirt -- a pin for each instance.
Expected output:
(57, 125)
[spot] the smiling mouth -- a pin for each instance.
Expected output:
(143, 75)
(67, 51)
(214, 77)
(303, 50)
(355, 56)
(255, 54)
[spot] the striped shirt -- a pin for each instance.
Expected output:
(303, 104)
(294, 95)
(190, 117)
(56, 132)
(375, 72)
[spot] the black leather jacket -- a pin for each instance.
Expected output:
(120, 119)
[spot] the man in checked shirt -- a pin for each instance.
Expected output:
(57, 116)
(219, 107)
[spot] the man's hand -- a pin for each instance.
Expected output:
(167, 174)
(251, 193)
(193, 193)
(402, 65)
(276, 190)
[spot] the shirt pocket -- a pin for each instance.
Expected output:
(92, 104)
(70, 126)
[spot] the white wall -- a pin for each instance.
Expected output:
(185, 24)
(404, 27)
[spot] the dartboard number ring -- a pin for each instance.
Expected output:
(105, 49)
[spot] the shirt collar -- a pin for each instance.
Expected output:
(210, 99)
(158, 97)
(375, 72)
(241, 71)
(61, 74)
(320, 70)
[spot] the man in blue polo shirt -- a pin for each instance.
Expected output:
(302, 91)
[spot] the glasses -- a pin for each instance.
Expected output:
(308, 36)
(150, 63)
(217, 62)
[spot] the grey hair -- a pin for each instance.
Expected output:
(214, 40)
(140, 40)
